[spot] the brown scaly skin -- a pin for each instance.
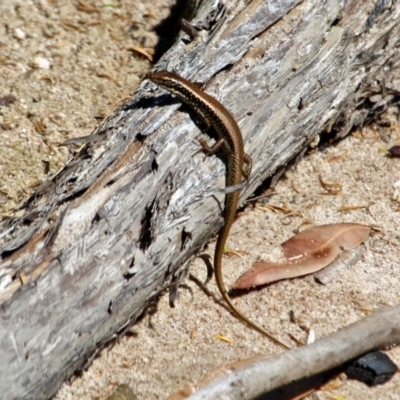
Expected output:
(238, 164)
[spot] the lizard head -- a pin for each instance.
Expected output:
(166, 79)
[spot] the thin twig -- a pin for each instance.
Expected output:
(380, 329)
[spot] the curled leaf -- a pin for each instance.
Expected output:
(307, 252)
(346, 235)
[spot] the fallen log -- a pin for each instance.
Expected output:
(122, 220)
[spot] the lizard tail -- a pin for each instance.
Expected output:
(231, 203)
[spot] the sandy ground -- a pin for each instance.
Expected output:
(66, 64)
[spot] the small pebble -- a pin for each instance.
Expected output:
(19, 33)
(41, 63)
(394, 151)
(123, 392)
(373, 369)
(7, 100)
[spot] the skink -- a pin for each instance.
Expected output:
(230, 142)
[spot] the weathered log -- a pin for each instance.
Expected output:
(121, 221)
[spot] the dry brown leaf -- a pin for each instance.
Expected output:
(237, 253)
(335, 158)
(304, 394)
(263, 272)
(224, 339)
(331, 188)
(275, 209)
(307, 252)
(345, 234)
(142, 52)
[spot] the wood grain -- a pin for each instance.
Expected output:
(122, 220)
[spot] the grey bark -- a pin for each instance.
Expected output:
(121, 221)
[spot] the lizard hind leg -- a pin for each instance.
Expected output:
(207, 150)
